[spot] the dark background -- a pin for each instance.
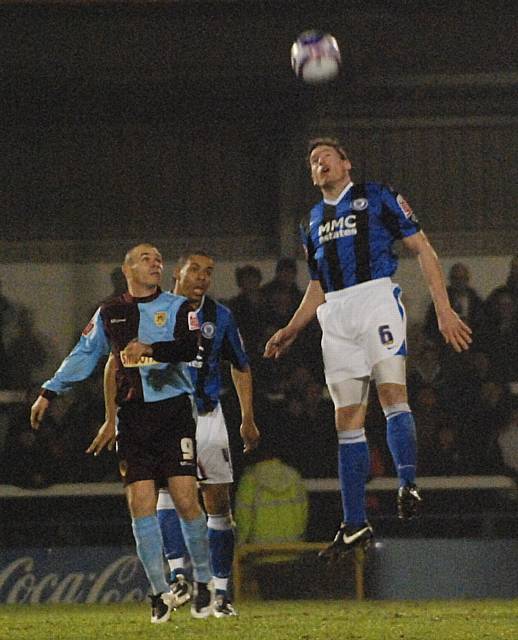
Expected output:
(175, 117)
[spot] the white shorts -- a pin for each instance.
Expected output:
(361, 326)
(214, 462)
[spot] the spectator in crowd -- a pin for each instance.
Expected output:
(64, 435)
(26, 352)
(430, 418)
(271, 499)
(119, 284)
(425, 370)
(272, 506)
(248, 309)
(306, 351)
(303, 441)
(304, 358)
(510, 286)
(296, 379)
(416, 341)
(479, 428)
(499, 336)
(30, 458)
(464, 300)
(260, 311)
(26, 458)
(7, 315)
(507, 441)
(280, 306)
(462, 378)
(269, 375)
(85, 410)
(444, 457)
(285, 281)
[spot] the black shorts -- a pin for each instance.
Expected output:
(156, 439)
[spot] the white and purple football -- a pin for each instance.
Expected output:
(315, 57)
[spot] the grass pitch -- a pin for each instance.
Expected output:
(273, 620)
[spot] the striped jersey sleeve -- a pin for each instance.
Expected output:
(403, 221)
(309, 249)
(232, 348)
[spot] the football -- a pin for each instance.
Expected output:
(315, 57)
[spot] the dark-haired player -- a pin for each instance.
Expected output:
(220, 341)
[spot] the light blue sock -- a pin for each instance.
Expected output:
(197, 543)
(401, 440)
(148, 539)
(221, 544)
(353, 471)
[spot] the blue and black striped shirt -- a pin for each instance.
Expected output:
(221, 340)
(352, 242)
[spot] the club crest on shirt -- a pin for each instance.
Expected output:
(160, 318)
(88, 328)
(208, 329)
(405, 207)
(360, 204)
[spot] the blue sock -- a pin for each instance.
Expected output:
(401, 440)
(221, 544)
(353, 471)
(197, 543)
(174, 544)
(148, 539)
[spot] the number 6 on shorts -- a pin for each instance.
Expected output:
(385, 335)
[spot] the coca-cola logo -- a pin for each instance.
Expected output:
(121, 580)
